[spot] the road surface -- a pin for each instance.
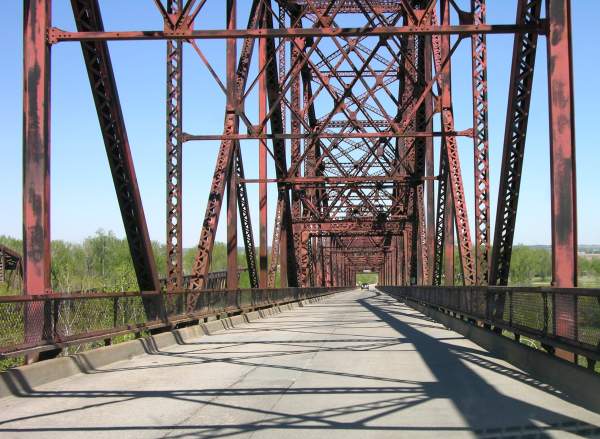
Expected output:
(355, 365)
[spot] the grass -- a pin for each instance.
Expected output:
(367, 278)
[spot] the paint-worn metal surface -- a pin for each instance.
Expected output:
(351, 103)
(11, 268)
(174, 153)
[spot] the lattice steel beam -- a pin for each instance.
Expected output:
(174, 156)
(246, 221)
(517, 118)
(224, 161)
(481, 146)
(106, 98)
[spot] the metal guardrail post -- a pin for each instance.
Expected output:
(546, 313)
(511, 310)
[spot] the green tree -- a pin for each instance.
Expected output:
(529, 265)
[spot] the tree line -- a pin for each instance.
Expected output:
(102, 263)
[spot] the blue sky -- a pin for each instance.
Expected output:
(83, 198)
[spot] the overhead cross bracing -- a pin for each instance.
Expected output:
(380, 89)
(348, 6)
(348, 116)
(351, 102)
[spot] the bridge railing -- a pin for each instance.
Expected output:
(33, 324)
(567, 319)
(215, 280)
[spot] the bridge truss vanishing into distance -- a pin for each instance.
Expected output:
(349, 99)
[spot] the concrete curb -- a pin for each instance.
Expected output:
(23, 380)
(577, 384)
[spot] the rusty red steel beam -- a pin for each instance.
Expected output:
(347, 6)
(422, 121)
(246, 221)
(300, 244)
(441, 49)
(448, 244)
(562, 144)
(563, 181)
(340, 228)
(310, 263)
(232, 226)
(440, 229)
(326, 135)
(275, 244)
(312, 168)
(57, 35)
(481, 146)
(262, 170)
(288, 264)
(223, 166)
(110, 116)
(174, 145)
(515, 135)
(429, 167)
(375, 179)
(232, 183)
(36, 163)
(410, 148)
(385, 192)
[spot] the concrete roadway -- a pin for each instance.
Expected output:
(358, 364)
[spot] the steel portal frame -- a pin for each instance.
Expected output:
(354, 97)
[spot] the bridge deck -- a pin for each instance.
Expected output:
(358, 364)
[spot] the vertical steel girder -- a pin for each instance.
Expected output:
(232, 241)
(174, 156)
(562, 144)
(275, 251)
(481, 146)
(449, 272)
(442, 201)
(288, 264)
(245, 220)
(104, 90)
(36, 163)
(429, 165)
(36, 147)
(562, 167)
(232, 186)
(409, 85)
(421, 125)
(438, 252)
(517, 118)
(223, 166)
(243, 206)
(299, 244)
(310, 263)
(454, 170)
(262, 169)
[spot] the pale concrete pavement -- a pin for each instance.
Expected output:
(358, 364)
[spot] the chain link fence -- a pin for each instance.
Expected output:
(38, 323)
(567, 318)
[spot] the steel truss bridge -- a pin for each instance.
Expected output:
(351, 102)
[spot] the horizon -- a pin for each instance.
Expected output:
(82, 189)
(241, 248)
